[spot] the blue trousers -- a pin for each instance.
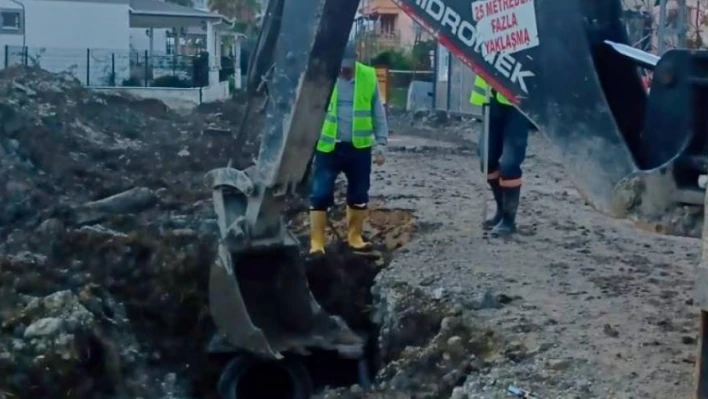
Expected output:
(508, 138)
(356, 166)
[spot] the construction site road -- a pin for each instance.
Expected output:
(595, 307)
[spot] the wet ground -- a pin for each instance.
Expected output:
(602, 310)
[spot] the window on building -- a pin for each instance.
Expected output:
(388, 24)
(10, 20)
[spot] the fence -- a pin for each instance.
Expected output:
(399, 83)
(639, 29)
(99, 67)
(453, 85)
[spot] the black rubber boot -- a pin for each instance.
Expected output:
(497, 192)
(510, 202)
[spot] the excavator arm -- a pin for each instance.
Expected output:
(259, 297)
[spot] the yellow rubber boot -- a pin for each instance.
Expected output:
(318, 223)
(355, 226)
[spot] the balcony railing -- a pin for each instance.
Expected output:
(388, 41)
(371, 43)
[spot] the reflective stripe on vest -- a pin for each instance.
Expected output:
(362, 118)
(479, 93)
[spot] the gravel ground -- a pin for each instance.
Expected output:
(601, 309)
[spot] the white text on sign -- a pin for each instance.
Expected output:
(453, 25)
(506, 26)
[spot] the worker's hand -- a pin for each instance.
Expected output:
(379, 155)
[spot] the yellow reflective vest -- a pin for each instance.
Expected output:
(479, 93)
(362, 120)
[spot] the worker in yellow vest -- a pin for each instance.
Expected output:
(355, 130)
(508, 138)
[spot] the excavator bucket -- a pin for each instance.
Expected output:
(259, 296)
(568, 67)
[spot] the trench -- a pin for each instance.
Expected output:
(341, 281)
(159, 350)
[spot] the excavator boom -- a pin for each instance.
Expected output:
(259, 296)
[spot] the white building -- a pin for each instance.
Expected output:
(65, 24)
(93, 39)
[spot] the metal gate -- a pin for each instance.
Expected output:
(453, 84)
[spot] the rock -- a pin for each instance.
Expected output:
(13, 144)
(184, 233)
(15, 189)
(558, 364)
(439, 293)
(610, 331)
(449, 323)
(44, 327)
(455, 346)
(63, 305)
(406, 315)
(24, 89)
(687, 340)
(458, 393)
(29, 258)
(99, 230)
(515, 351)
(51, 228)
(161, 193)
(488, 301)
(132, 201)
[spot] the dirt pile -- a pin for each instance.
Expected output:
(62, 145)
(108, 294)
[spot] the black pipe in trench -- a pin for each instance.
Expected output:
(247, 377)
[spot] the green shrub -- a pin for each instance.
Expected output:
(132, 81)
(393, 59)
(171, 81)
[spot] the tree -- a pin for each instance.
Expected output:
(420, 54)
(393, 59)
(243, 11)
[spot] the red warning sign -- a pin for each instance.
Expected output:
(506, 26)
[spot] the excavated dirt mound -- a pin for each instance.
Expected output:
(138, 297)
(107, 298)
(62, 145)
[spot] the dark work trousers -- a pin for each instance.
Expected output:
(508, 138)
(356, 166)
